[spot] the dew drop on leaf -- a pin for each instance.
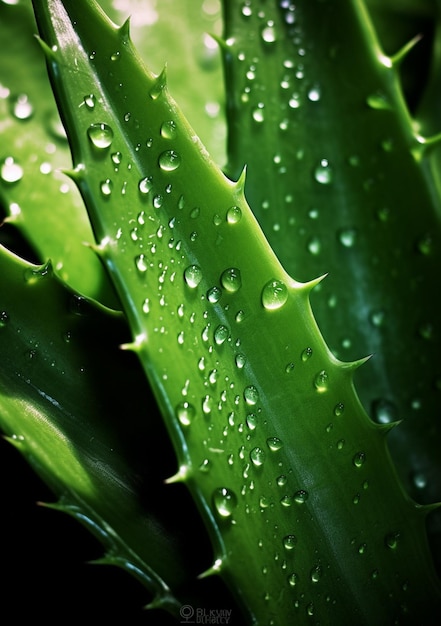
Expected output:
(193, 276)
(106, 187)
(221, 334)
(316, 573)
(141, 263)
(185, 413)
(301, 496)
(321, 381)
(323, 172)
(274, 443)
(384, 411)
(89, 101)
(168, 129)
(234, 215)
(306, 354)
(214, 295)
(289, 542)
(225, 501)
(22, 108)
(231, 279)
(10, 171)
(347, 237)
(100, 135)
(274, 295)
(251, 421)
(145, 184)
(169, 160)
(269, 34)
(251, 395)
(359, 459)
(293, 579)
(257, 456)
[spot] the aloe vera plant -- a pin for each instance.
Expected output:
(307, 517)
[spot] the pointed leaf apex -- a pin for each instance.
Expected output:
(159, 84)
(385, 429)
(180, 476)
(216, 568)
(136, 345)
(240, 184)
(398, 57)
(354, 365)
(50, 53)
(310, 285)
(124, 31)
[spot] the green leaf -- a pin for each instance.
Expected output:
(33, 150)
(338, 185)
(293, 480)
(74, 405)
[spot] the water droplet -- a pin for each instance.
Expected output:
(157, 201)
(289, 542)
(274, 443)
(214, 295)
(251, 395)
(169, 129)
(378, 100)
(286, 501)
(22, 108)
(221, 334)
(293, 579)
(115, 56)
(205, 466)
(252, 421)
(391, 540)
(116, 159)
(258, 113)
(321, 381)
(316, 573)
(193, 276)
(339, 409)
(314, 245)
(289, 367)
(306, 354)
(240, 360)
(224, 501)
(169, 160)
(359, 459)
(301, 496)
(234, 215)
(281, 480)
(89, 101)
(323, 172)
(106, 187)
(384, 411)
(274, 295)
(11, 172)
(231, 279)
(377, 318)
(419, 480)
(185, 413)
(145, 184)
(4, 319)
(314, 94)
(146, 306)
(269, 34)
(257, 456)
(425, 244)
(100, 135)
(141, 263)
(347, 237)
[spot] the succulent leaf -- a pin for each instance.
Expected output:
(293, 480)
